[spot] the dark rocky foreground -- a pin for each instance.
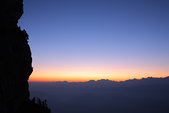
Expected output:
(15, 63)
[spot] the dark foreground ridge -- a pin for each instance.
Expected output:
(15, 62)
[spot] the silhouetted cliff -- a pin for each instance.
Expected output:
(15, 60)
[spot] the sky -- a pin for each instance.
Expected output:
(81, 40)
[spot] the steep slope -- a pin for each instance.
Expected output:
(15, 59)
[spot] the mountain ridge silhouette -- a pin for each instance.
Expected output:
(147, 95)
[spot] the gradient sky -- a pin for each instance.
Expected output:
(79, 40)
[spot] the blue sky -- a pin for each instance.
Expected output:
(99, 33)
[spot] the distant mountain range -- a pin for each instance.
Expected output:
(146, 95)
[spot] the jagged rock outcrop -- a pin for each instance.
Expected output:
(15, 59)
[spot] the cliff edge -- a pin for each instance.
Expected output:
(15, 61)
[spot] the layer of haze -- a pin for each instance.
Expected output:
(79, 40)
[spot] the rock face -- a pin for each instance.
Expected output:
(15, 58)
(15, 63)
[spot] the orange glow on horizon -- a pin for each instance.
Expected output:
(70, 79)
(83, 74)
(32, 79)
(78, 80)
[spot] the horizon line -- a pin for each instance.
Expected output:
(98, 80)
